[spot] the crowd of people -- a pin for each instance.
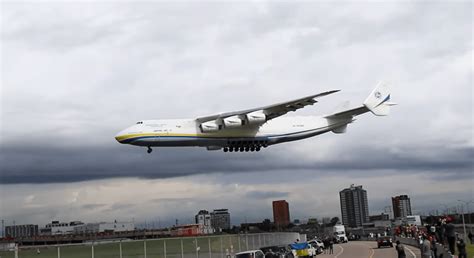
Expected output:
(442, 232)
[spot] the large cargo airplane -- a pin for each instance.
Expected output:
(252, 129)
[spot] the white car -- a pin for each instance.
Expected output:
(317, 242)
(250, 254)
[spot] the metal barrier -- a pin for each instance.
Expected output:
(441, 251)
(221, 246)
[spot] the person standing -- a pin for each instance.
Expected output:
(331, 246)
(400, 250)
(470, 237)
(426, 248)
(450, 235)
(461, 249)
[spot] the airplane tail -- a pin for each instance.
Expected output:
(378, 102)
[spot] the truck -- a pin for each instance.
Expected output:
(339, 232)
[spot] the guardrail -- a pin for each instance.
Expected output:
(440, 250)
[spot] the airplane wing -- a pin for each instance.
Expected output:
(270, 111)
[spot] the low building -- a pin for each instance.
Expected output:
(203, 219)
(186, 230)
(380, 217)
(18, 231)
(102, 227)
(61, 228)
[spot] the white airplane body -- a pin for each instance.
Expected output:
(252, 129)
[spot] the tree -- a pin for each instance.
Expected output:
(333, 221)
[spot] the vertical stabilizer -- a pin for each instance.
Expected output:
(378, 102)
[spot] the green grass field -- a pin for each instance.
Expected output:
(136, 249)
(470, 250)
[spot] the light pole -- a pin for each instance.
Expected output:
(463, 223)
(468, 212)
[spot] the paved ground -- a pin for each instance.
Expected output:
(366, 249)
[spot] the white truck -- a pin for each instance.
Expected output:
(339, 232)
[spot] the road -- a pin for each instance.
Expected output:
(368, 249)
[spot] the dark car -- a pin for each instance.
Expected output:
(384, 241)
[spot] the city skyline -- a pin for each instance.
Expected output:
(73, 75)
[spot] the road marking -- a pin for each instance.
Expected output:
(342, 251)
(411, 252)
(373, 252)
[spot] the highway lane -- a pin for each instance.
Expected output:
(368, 249)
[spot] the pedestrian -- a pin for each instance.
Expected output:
(450, 234)
(426, 248)
(470, 237)
(400, 250)
(331, 246)
(461, 249)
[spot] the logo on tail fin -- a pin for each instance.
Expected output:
(378, 95)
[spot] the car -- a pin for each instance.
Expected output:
(384, 241)
(277, 251)
(317, 245)
(317, 242)
(250, 254)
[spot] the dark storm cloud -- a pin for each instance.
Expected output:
(48, 165)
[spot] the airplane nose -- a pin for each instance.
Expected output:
(119, 137)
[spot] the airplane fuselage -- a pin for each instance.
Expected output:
(252, 129)
(186, 132)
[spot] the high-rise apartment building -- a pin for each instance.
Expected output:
(220, 219)
(281, 213)
(401, 206)
(354, 206)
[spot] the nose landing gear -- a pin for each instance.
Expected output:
(149, 150)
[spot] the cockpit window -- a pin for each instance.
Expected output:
(139, 123)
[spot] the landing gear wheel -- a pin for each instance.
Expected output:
(149, 150)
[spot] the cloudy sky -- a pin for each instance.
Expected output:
(73, 74)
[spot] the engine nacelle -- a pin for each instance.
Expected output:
(232, 122)
(209, 127)
(256, 118)
(341, 129)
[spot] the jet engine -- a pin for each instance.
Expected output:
(209, 127)
(256, 118)
(232, 122)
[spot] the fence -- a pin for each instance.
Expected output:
(220, 246)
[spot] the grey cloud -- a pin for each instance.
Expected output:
(43, 165)
(72, 79)
(266, 194)
(93, 206)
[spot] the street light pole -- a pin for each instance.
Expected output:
(463, 223)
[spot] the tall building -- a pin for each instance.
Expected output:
(354, 206)
(203, 219)
(17, 231)
(220, 219)
(401, 206)
(281, 213)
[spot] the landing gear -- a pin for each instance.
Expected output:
(149, 150)
(245, 146)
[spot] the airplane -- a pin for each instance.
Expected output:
(252, 129)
